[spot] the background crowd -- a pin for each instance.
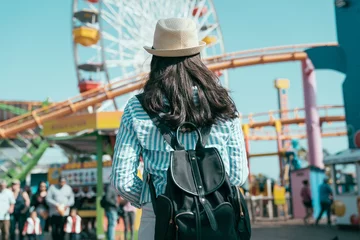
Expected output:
(54, 209)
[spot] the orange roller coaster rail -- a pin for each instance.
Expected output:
(18, 124)
(327, 114)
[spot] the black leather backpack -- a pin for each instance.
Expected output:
(199, 202)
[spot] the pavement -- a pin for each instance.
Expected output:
(296, 230)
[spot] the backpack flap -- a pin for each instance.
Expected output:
(207, 162)
(188, 170)
(193, 176)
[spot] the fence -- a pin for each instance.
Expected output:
(263, 208)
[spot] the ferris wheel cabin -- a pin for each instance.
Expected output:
(89, 84)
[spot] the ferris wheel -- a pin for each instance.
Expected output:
(109, 35)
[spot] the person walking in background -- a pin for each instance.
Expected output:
(110, 204)
(326, 199)
(7, 202)
(38, 201)
(73, 225)
(120, 209)
(32, 228)
(21, 209)
(129, 218)
(60, 198)
(307, 201)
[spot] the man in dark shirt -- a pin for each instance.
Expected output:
(326, 199)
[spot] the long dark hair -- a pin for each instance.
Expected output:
(39, 187)
(173, 78)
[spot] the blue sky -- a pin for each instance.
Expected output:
(36, 56)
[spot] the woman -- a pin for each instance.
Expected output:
(38, 201)
(21, 209)
(307, 201)
(180, 88)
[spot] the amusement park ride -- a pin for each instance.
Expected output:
(111, 66)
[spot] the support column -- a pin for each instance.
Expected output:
(312, 116)
(246, 130)
(99, 189)
(278, 129)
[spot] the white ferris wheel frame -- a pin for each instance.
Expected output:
(132, 40)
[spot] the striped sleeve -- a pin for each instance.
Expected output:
(237, 155)
(126, 160)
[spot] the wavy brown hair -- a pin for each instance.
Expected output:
(173, 78)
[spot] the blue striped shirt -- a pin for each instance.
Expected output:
(138, 135)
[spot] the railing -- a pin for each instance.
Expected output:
(263, 208)
(37, 117)
(294, 116)
(266, 51)
(260, 134)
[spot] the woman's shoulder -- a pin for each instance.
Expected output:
(227, 125)
(134, 110)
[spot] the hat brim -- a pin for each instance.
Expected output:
(176, 52)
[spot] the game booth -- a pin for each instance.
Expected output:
(82, 177)
(345, 179)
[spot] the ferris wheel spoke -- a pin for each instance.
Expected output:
(166, 7)
(107, 49)
(185, 7)
(133, 10)
(111, 9)
(109, 19)
(109, 37)
(92, 7)
(118, 24)
(112, 26)
(92, 59)
(120, 63)
(191, 8)
(130, 18)
(199, 7)
(205, 19)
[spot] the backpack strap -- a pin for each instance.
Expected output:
(152, 191)
(164, 130)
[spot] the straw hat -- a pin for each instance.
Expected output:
(175, 37)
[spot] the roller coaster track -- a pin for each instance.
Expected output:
(11, 127)
(261, 135)
(295, 116)
(327, 114)
(10, 109)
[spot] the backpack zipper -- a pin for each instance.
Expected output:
(177, 232)
(176, 226)
(239, 199)
(148, 178)
(171, 221)
(183, 213)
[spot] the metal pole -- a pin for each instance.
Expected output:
(99, 188)
(246, 130)
(312, 116)
(278, 128)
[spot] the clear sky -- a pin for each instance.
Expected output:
(36, 56)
